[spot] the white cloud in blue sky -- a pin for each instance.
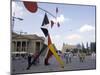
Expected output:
(17, 9)
(74, 37)
(86, 28)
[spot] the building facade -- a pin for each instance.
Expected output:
(26, 43)
(67, 47)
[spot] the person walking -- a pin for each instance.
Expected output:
(35, 57)
(83, 56)
(80, 56)
(67, 57)
(29, 60)
(70, 55)
(93, 55)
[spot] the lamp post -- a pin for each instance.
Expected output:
(13, 20)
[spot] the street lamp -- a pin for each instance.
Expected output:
(13, 20)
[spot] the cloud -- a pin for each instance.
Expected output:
(56, 36)
(74, 37)
(57, 40)
(17, 9)
(86, 28)
(60, 19)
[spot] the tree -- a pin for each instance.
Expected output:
(87, 48)
(93, 46)
(83, 48)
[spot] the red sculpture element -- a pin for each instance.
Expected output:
(30, 6)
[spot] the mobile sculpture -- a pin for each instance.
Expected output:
(51, 50)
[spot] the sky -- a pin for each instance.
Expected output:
(77, 22)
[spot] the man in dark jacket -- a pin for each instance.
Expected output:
(29, 60)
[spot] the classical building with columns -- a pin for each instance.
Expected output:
(67, 47)
(26, 43)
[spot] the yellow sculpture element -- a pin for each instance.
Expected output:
(52, 49)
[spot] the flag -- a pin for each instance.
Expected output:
(30, 6)
(52, 23)
(58, 24)
(45, 31)
(56, 10)
(56, 17)
(45, 21)
(44, 25)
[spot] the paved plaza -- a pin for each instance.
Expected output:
(20, 65)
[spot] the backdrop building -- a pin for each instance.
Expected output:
(26, 43)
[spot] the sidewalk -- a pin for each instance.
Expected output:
(19, 66)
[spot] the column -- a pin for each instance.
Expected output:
(40, 45)
(21, 45)
(15, 48)
(12, 46)
(26, 48)
(34, 46)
